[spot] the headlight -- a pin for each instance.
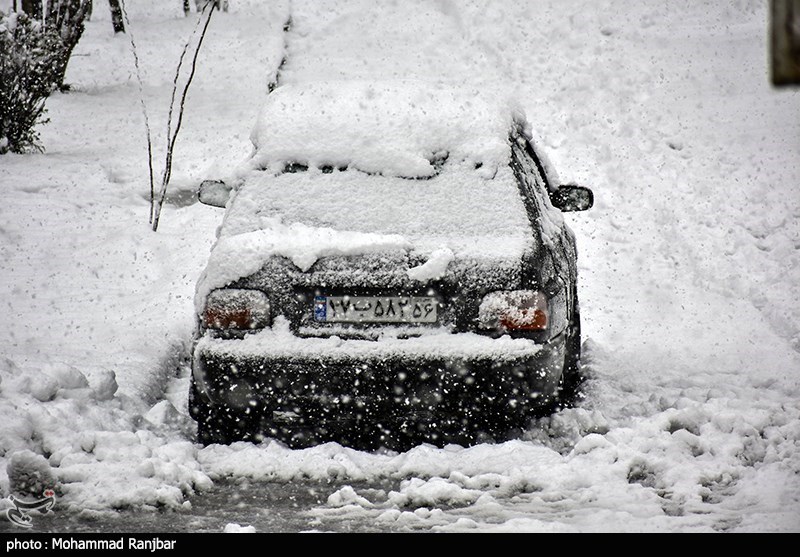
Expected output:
(517, 310)
(233, 308)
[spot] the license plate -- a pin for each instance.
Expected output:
(375, 309)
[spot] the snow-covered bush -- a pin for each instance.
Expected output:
(27, 77)
(33, 60)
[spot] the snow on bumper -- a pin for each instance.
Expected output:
(330, 379)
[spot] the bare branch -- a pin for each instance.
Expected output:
(144, 107)
(171, 145)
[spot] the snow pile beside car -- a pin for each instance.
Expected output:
(103, 450)
(691, 466)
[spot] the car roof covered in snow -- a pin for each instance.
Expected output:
(395, 128)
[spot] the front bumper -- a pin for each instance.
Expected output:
(437, 386)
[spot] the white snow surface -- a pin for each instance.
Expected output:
(233, 528)
(394, 128)
(689, 266)
(434, 268)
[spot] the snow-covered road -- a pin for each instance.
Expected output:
(690, 266)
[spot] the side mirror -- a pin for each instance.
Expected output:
(214, 192)
(572, 197)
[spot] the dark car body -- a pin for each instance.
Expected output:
(484, 337)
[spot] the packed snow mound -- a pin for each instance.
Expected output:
(434, 267)
(395, 128)
(233, 528)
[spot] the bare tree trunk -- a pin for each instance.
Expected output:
(116, 16)
(218, 4)
(785, 42)
(33, 8)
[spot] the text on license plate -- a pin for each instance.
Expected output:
(375, 309)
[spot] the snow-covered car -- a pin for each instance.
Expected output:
(392, 267)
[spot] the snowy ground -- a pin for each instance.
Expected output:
(690, 266)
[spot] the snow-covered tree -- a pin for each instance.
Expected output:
(35, 47)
